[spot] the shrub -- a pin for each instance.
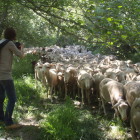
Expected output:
(23, 66)
(62, 122)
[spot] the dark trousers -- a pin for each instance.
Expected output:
(7, 88)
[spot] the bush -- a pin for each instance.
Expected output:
(23, 66)
(135, 57)
(65, 122)
(62, 122)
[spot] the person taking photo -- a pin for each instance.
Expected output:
(6, 81)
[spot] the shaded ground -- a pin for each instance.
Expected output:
(31, 128)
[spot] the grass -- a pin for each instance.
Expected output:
(45, 121)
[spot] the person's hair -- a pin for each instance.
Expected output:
(10, 33)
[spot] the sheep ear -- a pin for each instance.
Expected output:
(116, 105)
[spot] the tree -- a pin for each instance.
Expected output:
(107, 24)
(31, 29)
(91, 21)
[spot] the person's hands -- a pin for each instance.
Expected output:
(21, 44)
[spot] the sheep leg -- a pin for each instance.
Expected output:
(133, 130)
(100, 105)
(100, 101)
(82, 98)
(35, 81)
(116, 114)
(43, 79)
(97, 95)
(54, 90)
(88, 96)
(51, 89)
(103, 104)
(79, 92)
(66, 91)
(47, 89)
(74, 91)
(60, 91)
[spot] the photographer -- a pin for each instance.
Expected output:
(6, 80)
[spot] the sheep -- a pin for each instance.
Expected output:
(122, 65)
(110, 73)
(98, 77)
(135, 118)
(137, 78)
(128, 74)
(70, 80)
(131, 76)
(85, 82)
(60, 83)
(121, 77)
(132, 89)
(137, 67)
(103, 68)
(51, 76)
(38, 74)
(113, 91)
(129, 63)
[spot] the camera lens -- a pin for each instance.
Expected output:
(17, 45)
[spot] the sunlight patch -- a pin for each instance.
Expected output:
(116, 132)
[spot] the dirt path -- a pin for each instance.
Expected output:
(30, 126)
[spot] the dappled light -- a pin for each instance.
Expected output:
(79, 77)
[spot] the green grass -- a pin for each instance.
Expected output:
(67, 123)
(56, 121)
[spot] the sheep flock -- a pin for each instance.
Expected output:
(74, 71)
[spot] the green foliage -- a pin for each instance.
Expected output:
(24, 81)
(66, 40)
(135, 57)
(23, 67)
(30, 28)
(66, 122)
(62, 122)
(44, 23)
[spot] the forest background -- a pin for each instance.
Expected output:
(106, 27)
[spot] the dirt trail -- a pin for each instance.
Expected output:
(30, 126)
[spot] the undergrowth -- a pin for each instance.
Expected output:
(65, 122)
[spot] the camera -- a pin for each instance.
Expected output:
(18, 45)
